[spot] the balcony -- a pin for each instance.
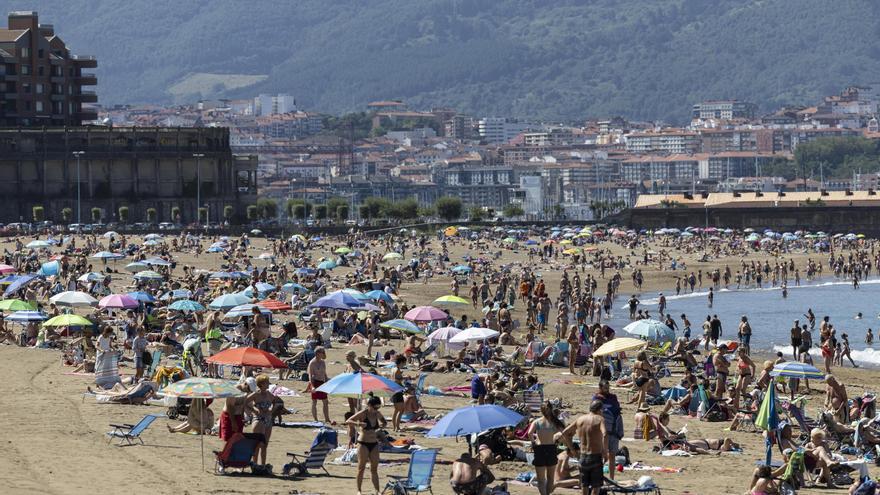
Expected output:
(87, 79)
(86, 97)
(85, 61)
(58, 97)
(85, 115)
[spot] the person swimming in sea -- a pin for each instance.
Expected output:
(869, 337)
(858, 316)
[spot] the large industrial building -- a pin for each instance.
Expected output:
(166, 169)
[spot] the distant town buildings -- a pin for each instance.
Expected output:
(274, 104)
(41, 82)
(724, 110)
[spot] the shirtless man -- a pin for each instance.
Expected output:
(593, 436)
(469, 476)
(317, 371)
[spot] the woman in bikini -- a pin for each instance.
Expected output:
(368, 420)
(543, 432)
(397, 398)
(642, 373)
(260, 405)
(745, 372)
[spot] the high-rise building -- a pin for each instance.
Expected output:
(40, 80)
(724, 110)
(273, 104)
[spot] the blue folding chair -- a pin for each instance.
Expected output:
(325, 441)
(421, 470)
(127, 432)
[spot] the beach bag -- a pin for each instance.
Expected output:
(868, 487)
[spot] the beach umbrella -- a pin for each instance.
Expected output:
(148, 275)
(474, 334)
(246, 310)
(107, 255)
(379, 295)
(461, 269)
(306, 271)
(327, 265)
(768, 420)
(357, 385)
(338, 300)
(202, 388)
(142, 296)
(151, 242)
(256, 232)
(222, 275)
(298, 237)
(342, 250)
(247, 356)
(228, 301)
(91, 277)
(792, 369)
(152, 237)
(186, 305)
(136, 266)
(653, 330)
(49, 269)
(401, 325)
(425, 313)
(214, 249)
(474, 419)
(620, 344)
(68, 320)
(18, 283)
(27, 316)
(38, 244)
(266, 256)
(118, 301)
(175, 294)
(274, 305)
(674, 393)
(74, 299)
(16, 305)
(392, 256)
(443, 334)
(291, 287)
(6, 269)
(156, 261)
(451, 301)
(450, 231)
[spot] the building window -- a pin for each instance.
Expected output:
(40, 53)
(25, 52)
(39, 89)
(26, 88)
(25, 70)
(39, 106)
(40, 70)
(27, 105)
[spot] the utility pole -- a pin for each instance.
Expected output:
(77, 154)
(198, 157)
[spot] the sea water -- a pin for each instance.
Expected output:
(771, 315)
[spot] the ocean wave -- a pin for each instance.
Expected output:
(865, 356)
(705, 293)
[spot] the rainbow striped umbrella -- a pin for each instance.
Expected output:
(359, 384)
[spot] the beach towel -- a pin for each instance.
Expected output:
(279, 391)
(301, 424)
(107, 369)
(675, 453)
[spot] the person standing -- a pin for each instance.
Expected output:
(745, 333)
(715, 330)
(613, 421)
(543, 432)
(139, 348)
(317, 371)
(368, 420)
(590, 429)
(796, 339)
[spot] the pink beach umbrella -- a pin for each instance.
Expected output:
(425, 313)
(118, 301)
(6, 269)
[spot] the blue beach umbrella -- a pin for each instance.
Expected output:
(246, 310)
(186, 305)
(791, 369)
(462, 269)
(674, 393)
(229, 301)
(141, 296)
(402, 325)
(380, 295)
(18, 284)
(306, 271)
(337, 300)
(27, 316)
(653, 330)
(291, 287)
(326, 265)
(474, 419)
(176, 294)
(358, 384)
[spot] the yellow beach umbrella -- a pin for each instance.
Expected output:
(619, 344)
(451, 301)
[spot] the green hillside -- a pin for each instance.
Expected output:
(646, 59)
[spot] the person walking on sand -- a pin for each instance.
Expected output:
(317, 371)
(590, 429)
(543, 432)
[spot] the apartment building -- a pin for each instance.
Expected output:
(724, 110)
(671, 142)
(274, 104)
(41, 82)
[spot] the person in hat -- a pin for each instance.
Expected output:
(722, 369)
(645, 424)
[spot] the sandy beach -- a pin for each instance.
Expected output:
(55, 440)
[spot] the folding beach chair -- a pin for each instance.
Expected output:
(804, 423)
(612, 487)
(425, 353)
(325, 441)
(127, 433)
(420, 385)
(238, 453)
(533, 399)
(418, 479)
(157, 356)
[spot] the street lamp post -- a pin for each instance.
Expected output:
(77, 154)
(198, 157)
